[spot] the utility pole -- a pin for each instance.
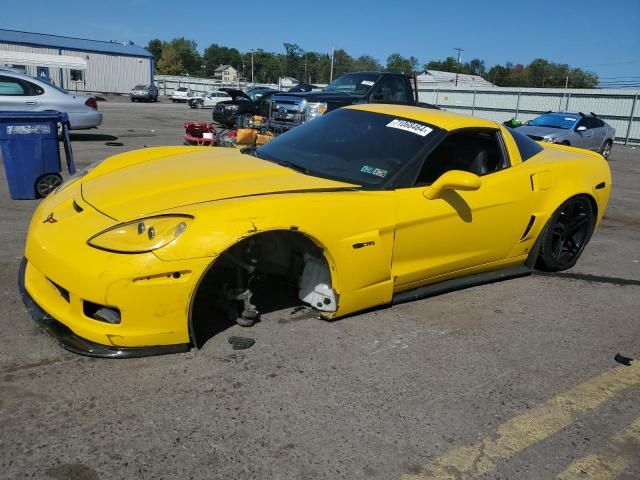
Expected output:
(458, 67)
(331, 76)
(252, 67)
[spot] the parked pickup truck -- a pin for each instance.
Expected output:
(291, 109)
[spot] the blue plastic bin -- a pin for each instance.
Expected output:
(31, 154)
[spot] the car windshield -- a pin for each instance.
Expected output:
(564, 121)
(181, 89)
(353, 146)
(357, 83)
(140, 87)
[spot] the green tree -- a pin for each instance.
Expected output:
(155, 48)
(187, 51)
(399, 64)
(342, 62)
(170, 63)
(476, 67)
(366, 63)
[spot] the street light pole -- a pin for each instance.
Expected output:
(458, 67)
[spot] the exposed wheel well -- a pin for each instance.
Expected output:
(288, 263)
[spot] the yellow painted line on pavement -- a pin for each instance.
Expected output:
(625, 452)
(529, 428)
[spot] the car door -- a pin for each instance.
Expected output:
(209, 100)
(18, 94)
(584, 138)
(459, 230)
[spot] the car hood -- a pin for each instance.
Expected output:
(148, 181)
(542, 131)
(235, 93)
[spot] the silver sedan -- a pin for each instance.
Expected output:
(575, 129)
(19, 92)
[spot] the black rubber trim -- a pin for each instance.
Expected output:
(601, 185)
(460, 283)
(68, 340)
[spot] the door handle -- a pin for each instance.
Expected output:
(30, 102)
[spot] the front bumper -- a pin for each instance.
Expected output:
(65, 277)
(68, 340)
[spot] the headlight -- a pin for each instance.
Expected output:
(77, 176)
(550, 139)
(315, 109)
(142, 235)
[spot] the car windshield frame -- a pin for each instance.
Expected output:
(369, 149)
(546, 121)
(361, 82)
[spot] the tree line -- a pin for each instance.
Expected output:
(180, 56)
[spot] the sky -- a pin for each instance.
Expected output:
(602, 36)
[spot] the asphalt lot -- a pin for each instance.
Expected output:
(513, 380)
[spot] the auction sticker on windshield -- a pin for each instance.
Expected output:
(412, 127)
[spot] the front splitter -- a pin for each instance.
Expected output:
(68, 340)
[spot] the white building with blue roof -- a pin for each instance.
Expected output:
(77, 63)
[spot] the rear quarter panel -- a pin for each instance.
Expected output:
(560, 172)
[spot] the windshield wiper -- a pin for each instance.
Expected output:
(293, 166)
(250, 151)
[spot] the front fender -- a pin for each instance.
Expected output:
(354, 229)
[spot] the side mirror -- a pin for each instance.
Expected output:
(581, 128)
(452, 180)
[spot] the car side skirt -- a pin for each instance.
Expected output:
(460, 283)
(68, 340)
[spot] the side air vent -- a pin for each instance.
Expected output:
(532, 220)
(77, 207)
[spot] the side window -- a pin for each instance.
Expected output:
(584, 122)
(391, 90)
(478, 152)
(33, 89)
(12, 87)
(527, 147)
(597, 123)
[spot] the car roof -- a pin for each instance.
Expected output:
(439, 118)
(573, 114)
(23, 76)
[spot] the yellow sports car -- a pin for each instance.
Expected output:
(368, 205)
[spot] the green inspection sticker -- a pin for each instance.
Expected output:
(378, 172)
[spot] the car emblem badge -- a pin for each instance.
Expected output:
(50, 219)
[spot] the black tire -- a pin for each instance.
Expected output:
(47, 183)
(605, 150)
(133, 100)
(566, 234)
(565, 143)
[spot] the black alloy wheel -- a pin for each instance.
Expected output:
(566, 235)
